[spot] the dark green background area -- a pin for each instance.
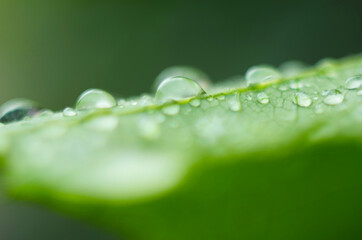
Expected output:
(51, 51)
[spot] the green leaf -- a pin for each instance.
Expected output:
(275, 160)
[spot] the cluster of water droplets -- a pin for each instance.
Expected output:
(182, 84)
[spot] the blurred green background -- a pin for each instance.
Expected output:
(51, 51)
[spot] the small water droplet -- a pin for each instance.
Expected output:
(261, 74)
(183, 71)
(195, 103)
(291, 68)
(210, 99)
(359, 93)
(95, 98)
(333, 97)
(283, 88)
(147, 100)
(45, 113)
(263, 98)
(302, 99)
(249, 97)
(69, 112)
(221, 97)
(354, 82)
(295, 85)
(177, 88)
(171, 109)
(234, 103)
(18, 109)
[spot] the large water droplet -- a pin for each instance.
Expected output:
(183, 71)
(302, 99)
(95, 98)
(333, 97)
(17, 109)
(234, 102)
(354, 82)
(69, 112)
(292, 68)
(263, 98)
(171, 110)
(261, 74)
(176, 88)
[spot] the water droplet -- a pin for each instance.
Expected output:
(291, 68)
(171, 109)
(333, 97)
(359, 93)
(177, 88)
(249, 97)
(95, 98)
(69, 112)
(17, 109)
(283, 88)
(302, 99)
(45, 113)
(234, 103)
(354, 82)
(210, 99)
(263, 98)
(295, 85)
(221, 97)
(261, 74)
(183, 71)
(195, 103)
(147, 100)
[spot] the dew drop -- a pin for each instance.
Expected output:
(354, 82)
(291, 68)
(301, 99)
(69, 112)
(146, 100)
(171, 110)
(295, 85)
(210, 99)
(263, 98)
(283, 88)
(221, 97)
(234, 103)
(261, 74)
(249, 97)
(176, 88)
(17, 109)
(359, 93)
(333, 97)
(195, 103)
(45, 113)
(95, 98)
(183, 71)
